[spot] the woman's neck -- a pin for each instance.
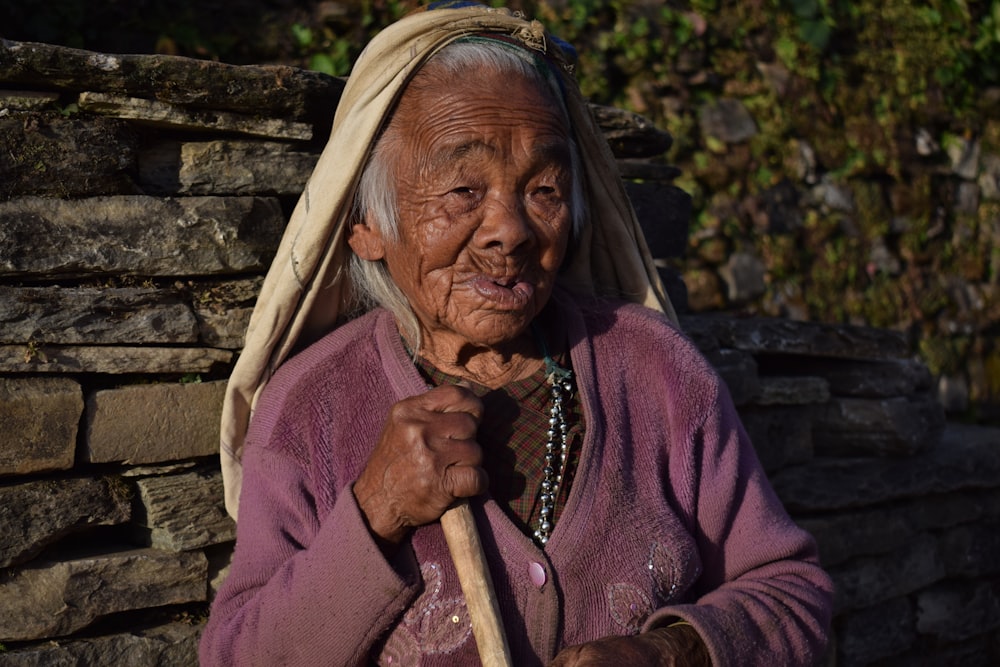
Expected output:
(490, 366)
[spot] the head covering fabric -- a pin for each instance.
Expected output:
(307, 287)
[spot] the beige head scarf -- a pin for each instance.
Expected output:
(307, 287)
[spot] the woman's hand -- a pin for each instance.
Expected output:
(426, 458)
(677, 646)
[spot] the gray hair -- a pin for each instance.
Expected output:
(376, 196)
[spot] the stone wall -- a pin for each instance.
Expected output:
(141, 198)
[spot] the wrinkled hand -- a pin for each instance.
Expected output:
(426, 458)
(679, 646)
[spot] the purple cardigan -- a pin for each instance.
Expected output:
(670, 515)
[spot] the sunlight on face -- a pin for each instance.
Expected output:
(484, 188)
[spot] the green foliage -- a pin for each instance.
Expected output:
(815, 22)
(626, 49)
(943, 355)
(332, 46)
(331, 57)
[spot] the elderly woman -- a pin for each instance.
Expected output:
(444, 286)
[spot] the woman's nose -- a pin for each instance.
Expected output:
(505, 226)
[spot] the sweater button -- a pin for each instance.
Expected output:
(537, 574)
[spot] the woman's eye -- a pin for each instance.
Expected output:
(463, 199)
(465, 192)
(547, 192)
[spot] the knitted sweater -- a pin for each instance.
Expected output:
(670, 516)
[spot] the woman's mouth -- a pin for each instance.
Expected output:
(507, 293)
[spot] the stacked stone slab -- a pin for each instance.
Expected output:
(141, 199)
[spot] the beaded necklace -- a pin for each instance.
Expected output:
(561, 381)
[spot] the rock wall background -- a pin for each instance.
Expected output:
(142, 198)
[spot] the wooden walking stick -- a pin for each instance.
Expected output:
(474, 576)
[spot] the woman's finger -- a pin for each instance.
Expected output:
(447, 428)
(453, 398)
(465, 481)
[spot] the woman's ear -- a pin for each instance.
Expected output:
(366, 241)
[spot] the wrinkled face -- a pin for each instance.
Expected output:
(483, 188)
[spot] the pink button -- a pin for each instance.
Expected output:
(537, 574)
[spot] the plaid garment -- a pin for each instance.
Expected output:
(513, 434)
